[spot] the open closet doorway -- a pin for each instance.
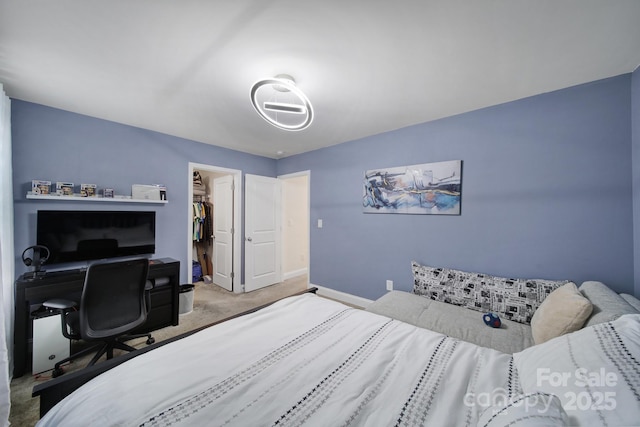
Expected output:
(276, 230)
(214, 245)
(296, 225)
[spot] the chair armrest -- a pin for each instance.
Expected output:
(59, 304)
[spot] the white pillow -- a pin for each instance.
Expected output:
(564, 310)
(594, 371)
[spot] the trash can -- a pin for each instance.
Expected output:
(186, 299)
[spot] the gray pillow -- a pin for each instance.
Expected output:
(607, 304)
(635, 302)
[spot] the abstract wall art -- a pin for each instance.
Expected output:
(430, 188)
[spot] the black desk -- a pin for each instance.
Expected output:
(31, 292)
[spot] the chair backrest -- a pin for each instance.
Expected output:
(113, 299)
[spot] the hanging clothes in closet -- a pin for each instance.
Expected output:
(202, 224)
(202, 232)
(199, 217)
(202, 221)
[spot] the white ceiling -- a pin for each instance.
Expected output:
(185, 67)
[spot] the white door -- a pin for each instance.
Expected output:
(262, 244)
(223, 232)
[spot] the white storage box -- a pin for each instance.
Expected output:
(49, 345)
(145, 192)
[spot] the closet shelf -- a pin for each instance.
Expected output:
(78, 198)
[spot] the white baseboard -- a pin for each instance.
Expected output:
(294, 273)
(342, 296)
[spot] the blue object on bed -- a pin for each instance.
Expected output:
(491, 319)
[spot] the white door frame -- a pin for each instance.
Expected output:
(306, 173)
(237, 219)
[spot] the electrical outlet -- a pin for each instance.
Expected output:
(389, 285)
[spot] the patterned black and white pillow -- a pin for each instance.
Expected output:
(514, 299)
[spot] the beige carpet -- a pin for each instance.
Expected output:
(211, 304)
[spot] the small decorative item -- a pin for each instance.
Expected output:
(64, 188)
(492, 319)
(163, 191)
(88, 190)
(108, 193)
(40, 187)
(430, 188)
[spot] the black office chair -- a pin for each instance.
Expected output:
(114, 301)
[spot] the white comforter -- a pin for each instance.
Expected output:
(302, 361)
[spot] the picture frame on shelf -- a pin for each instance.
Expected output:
(64, 188)
(87, 190)
(40, 186)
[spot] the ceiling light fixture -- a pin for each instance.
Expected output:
(281, 103)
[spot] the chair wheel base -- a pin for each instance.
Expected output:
(57, 372)
(151, 341)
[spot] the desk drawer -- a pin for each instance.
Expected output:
(159, 317)
(161, 297)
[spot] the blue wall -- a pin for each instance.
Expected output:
(56, 145)
(548, 188)
(546, 193)
(635, 136)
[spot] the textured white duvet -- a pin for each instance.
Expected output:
(302, 361)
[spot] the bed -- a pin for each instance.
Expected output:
(306, 360)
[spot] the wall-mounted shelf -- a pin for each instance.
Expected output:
(116, 199)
